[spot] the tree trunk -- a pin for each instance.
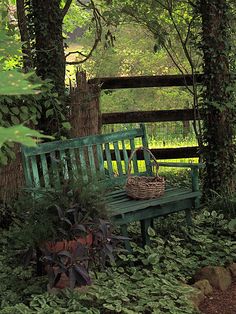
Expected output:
(220, 115)
(49, 57)
(24, 34)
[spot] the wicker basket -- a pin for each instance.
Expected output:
(141, 187)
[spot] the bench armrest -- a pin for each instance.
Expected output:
(181, 165)
(194, 174)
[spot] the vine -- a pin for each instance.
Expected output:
(218, 97)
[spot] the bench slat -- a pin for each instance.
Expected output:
(82, 141)
(64, 164)
(35, 171)
(122, 196)
(45, 170)
(100, 159)
(134, 160)
(125, 155)
(83, 165)
(54, 165)
(91, 161)
(27, 173)
(73, 161)
(153, 212)
(118, 158)
(137, 205)
(108, 159)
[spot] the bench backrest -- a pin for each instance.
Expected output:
(49, 164)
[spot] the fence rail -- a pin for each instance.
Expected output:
(156, 116)
(152, 116)
(165, 153)
(146, 81)
(149, 116)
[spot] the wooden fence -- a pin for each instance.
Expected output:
(156, 116)
(110, 83)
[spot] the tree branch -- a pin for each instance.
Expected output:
(98, 34)
(66, 8)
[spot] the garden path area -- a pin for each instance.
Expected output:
(220, 302)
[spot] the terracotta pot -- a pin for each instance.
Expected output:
(68, 245)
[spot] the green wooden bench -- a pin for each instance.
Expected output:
(49, 164)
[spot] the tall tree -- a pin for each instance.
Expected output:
(47, 19)
(218, 101)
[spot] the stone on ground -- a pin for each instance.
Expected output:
(204, 286)
(218, 277)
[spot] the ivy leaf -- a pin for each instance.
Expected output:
(15, 120)
(151, 232)
(66, 125)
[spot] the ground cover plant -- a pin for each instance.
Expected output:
(151, 280)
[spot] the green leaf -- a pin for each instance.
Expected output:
(151, 232)
(22, 135)
(15, 110)
(66, 125)
(15, 120)
(49, 113)
(15, 83)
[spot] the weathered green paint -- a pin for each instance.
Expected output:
(35, 171)
(108, 159)
(118, 158)
(91, 161)
(55, 171)
(134, 159)
(100, 159)
(45, 170)
(126, 158)
(64, 164)
(73, 161)
(84, 157)
(83, 166)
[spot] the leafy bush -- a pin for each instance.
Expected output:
(151, 280)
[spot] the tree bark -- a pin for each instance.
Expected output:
(24, 34)
(220, 115)
(49, 57)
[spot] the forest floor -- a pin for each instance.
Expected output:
(220, 302)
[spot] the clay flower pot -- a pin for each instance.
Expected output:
(68, 245)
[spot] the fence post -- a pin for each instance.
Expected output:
(85, 116)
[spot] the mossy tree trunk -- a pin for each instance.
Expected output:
(218, 97)
(46, 18)
(49, 57)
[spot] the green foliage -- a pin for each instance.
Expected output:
(17, 282)
(53, 215)
(20, 134)
(151, 280)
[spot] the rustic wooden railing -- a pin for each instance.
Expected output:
(152, 116)
(146, 81)
(156, 116)
(149, 116)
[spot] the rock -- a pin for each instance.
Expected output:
(196, 297)
(232, 269)
(218, 277)
(204, 286)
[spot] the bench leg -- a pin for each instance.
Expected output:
(144, 231)
(124, 232)
(188, 217)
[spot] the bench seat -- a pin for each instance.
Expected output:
(105, 158)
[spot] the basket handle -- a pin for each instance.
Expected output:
(148, 151)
